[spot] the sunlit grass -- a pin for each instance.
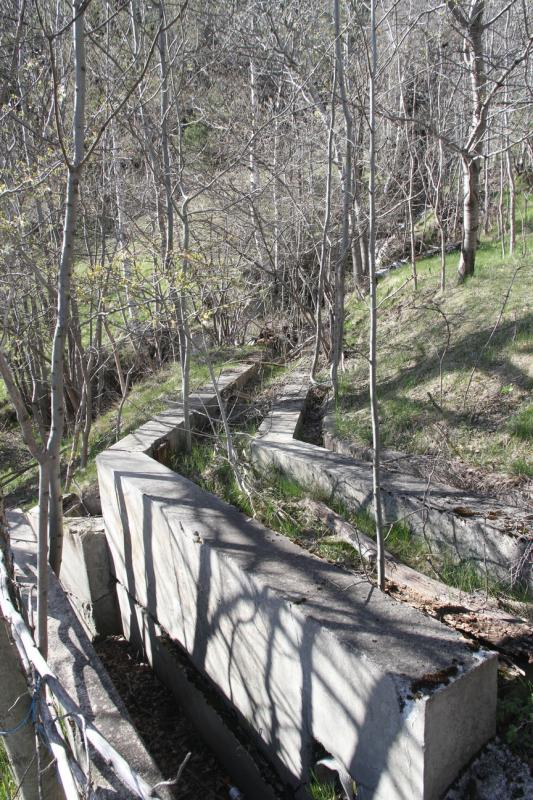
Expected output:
(322, 791)
(455, 368)
(7, 784)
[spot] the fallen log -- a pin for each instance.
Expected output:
(475, 615)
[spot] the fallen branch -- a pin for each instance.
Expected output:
(476, 616)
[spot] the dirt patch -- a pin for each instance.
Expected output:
(496, 774)
(313, 415)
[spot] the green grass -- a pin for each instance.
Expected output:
(523, 467)
(269, 499)
(322, 791)
(145, 399)
(521, 424)
(446, 382)
(7, 784)
(515, 716)
(413, 551)
(464, 576)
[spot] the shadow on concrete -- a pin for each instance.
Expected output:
(303, 651)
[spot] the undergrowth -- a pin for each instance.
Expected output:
(515, 716)
(7, 784)
(272, 501)
(323, 791)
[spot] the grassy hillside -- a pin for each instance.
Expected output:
(455, 367)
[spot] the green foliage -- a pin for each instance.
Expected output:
(7, 784)
(322, 791)
(286, 487)
(195, 135)
(402, 544)
(522, 466)
(465, 576)
(207, 466)
(515, 716)
(521, 424)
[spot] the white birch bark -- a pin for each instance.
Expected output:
(55, 526)
(374, 408)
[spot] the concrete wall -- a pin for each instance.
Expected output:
(86, 574)
(303, 651)
(495, 537)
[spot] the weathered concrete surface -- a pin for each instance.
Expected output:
(196, 702)
(304, 652)
(87, 578)
(165, 432)
(493, 536)
(75, 662)
(86, 574)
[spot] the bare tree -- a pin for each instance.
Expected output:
(374, 407)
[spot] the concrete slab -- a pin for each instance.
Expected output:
(85, 573)
(304, 652)
(493, 536)
(168, 426)
(197, 699)
(75, 662)
(86, 576)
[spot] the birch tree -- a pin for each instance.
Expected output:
(485, 83)
(374, 407)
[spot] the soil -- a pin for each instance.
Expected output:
(315, 408)
(159, 720)
(496, 774)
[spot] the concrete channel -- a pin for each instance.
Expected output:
(492, 536)
(306, 659)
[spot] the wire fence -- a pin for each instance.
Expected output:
(50, 706)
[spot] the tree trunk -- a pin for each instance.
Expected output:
(347, 203)
(374, 408)
(512, 202)
(472, 154)
(471, 171)
(55, 522)
(325, 236)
